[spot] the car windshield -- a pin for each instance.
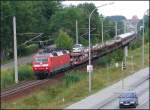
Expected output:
(40, 59)
(127, 95)
(77, 46)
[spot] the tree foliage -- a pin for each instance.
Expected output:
(64, 41)
(31, 17)
(49, 17)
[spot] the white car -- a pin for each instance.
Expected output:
(78, 48)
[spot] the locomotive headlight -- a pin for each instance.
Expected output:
(45, 65)
(36, 65)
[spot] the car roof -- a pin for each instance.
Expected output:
(78, 44)
(128, 92)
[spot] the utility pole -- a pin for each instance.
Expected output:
(143, 44)
(15, 50)
(89, 66)
(102, 31)
(77, 32)
(116, 28)
(143, 38)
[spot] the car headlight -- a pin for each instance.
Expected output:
(121, 102)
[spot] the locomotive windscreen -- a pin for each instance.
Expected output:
(41, 59)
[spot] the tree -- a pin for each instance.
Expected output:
(64, 41)
(66, 19)
(31, 16)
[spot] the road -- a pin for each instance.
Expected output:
(21, 61)
(108, 97)
(143, 96)
(145, 105)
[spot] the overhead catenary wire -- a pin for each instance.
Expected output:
(88, 32)
(43, 41)
(31, 39)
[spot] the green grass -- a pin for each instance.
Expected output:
(73, 88)
(8, 76)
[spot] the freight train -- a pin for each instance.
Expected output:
(50, 62)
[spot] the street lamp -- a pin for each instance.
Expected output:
(76, 32)
(90, 67)
(143, 41)
(116, 28)
(102, 30)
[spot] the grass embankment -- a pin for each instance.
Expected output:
(74, 87)
(8, 76)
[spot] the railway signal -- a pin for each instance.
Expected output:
(123, 66)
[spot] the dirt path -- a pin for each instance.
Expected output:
(21, 61)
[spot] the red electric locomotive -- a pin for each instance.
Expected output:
(45, 64)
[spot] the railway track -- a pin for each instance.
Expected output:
(22, 87)
(27, 87)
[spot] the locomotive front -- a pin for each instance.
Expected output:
(41, 66)
(50, 63)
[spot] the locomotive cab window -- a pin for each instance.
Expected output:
(54, 53)
(64, 52)
(41, 60)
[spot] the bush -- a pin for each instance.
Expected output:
(136, 44)
(146, 35)
(73, 77)
(103, 60)
(115, 56)
(28, 49)
(25, 72)
(31, 49)
(7, 76)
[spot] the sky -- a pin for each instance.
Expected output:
(125, 8)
